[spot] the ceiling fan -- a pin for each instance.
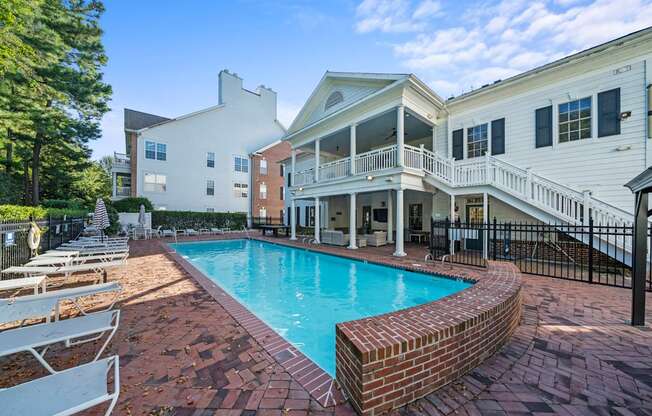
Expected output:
(393, 134)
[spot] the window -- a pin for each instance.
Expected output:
(210, 187)
(281, 168)
(210, 159)
(240, 190)
(154, 182)
(575, 120)
(210, 209)
(262, 212)
(333, 99)
(281, 193)
(241, 164)
(150, 150)
(415, 219)
(161, 151)
(263, 167)
(543, 127)
(263, 191)
(476, 140)
(155, 151)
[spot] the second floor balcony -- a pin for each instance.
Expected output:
(121, 162)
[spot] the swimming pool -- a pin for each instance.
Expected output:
(302, 294)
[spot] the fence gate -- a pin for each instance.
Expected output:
(599, 254)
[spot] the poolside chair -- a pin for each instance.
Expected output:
(169, 232)
(82, 252)
(63, 261)
(66, 392)
(73, 331)
(43, 305)
(100, 268)
(191, 231)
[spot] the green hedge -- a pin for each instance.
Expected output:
(189, 219)
(23, 213)
(132, 204)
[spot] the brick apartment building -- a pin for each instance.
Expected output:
(267, 179)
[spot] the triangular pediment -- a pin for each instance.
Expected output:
(339, 90)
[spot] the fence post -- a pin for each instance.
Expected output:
(49, 229)
(493, 240)
(449, 241)
(590, 250)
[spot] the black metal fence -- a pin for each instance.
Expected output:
(258, 221)
(14, 247)
(599, 254)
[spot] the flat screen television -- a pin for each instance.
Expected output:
(380, 214)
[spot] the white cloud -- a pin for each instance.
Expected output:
(393, 16)
(286, 112)
(495, 39)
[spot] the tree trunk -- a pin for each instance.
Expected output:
(26, 198)
(36, 164)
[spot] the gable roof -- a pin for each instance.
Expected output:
(136, 120)
(354, 86)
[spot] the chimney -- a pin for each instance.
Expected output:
(230, 86)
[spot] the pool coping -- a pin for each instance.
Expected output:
(317, 382)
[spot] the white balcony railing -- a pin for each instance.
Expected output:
(412, 156)
(304, 177)
(121, 160)
(375, 160)
(334, 170)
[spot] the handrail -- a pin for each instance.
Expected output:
(377, 159)
(336, 169)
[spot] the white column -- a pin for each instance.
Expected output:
(317, 238)
(390, 217)
(353, 215)
(317, 160)
(293, 219)
(294, 165)
(452, 221)
(353, 147)
(114, 179)
(485, 220)
(400, 136)
(399, 224)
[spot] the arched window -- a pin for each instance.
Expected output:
(335, 98)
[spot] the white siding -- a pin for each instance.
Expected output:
(242, 124)
(594, 163)
(351, 94)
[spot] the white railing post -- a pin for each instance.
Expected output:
(316, 160)
(452, 178)
(421, 151)
(487, 169)
(586, 205)
(528, 184)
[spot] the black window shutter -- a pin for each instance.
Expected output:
(543, 126)
(458, 144)
(609, 113)
(498, 136)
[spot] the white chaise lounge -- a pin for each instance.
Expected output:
(66, 392)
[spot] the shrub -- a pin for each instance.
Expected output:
(191, 219)
(132, 204)
(63, 204)
(23, 213)
(114, 223)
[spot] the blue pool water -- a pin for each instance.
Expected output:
(302, 294)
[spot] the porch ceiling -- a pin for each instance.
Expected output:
(376, 132)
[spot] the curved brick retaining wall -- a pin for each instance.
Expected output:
(387, 361)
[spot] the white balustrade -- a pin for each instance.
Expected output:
(304, 177)
(335, 169)
(412, 157)
(375, 160)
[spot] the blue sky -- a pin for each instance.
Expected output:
(164, 56)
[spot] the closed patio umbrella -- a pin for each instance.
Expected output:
(141, 215)
(101, 218)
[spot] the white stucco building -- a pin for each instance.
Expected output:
(199, 161)
(554, 144)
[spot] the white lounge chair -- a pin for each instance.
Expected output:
(66, 392)
(73, 331)
(31, 281)
(82, 252)
(99, 268)
(169, 232)
(191, 231)
(217, 231)
(53, 260)
(43, 305)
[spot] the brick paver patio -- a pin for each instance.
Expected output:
(181, 353)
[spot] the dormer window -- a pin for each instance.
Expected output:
(335, 98)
